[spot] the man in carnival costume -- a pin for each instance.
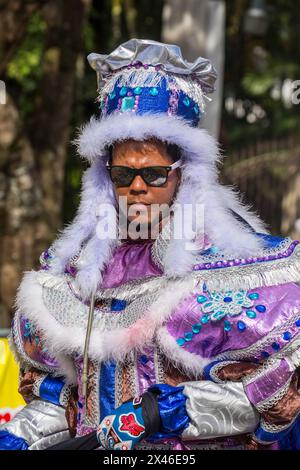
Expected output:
(168, 342)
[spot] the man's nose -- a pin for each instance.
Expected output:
(138, 185)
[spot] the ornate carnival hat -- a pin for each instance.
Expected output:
(146, 89)
(144, 76)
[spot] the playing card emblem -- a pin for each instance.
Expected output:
(129, 424)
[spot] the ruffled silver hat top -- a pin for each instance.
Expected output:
(152, 53)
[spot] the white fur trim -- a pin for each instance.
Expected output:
(198, 185)
(114, 344)
(185, 361)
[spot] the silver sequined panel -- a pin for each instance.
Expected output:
(70, 311)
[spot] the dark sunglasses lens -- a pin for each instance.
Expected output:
(155, 176)
(121, 176)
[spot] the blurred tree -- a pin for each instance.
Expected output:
(260, 126)
(259, 74)
(51, 90)
(34, 134)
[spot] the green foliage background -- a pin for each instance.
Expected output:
(246, 78)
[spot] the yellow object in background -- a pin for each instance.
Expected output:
(10, 399)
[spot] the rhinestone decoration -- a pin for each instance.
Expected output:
(218, 305)
(123, 91)
(241, 325)
(186, 101)
(153, 91)
(260, 308)
(251, 314)
(265, 354)
(188, 336)
(286, 336)
(196, 328)
(144, 359)
(127, 103)
(283, 251)
(226, 303)
(118, 305)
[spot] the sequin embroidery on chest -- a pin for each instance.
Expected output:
(224, 305)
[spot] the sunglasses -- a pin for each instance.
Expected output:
(152, 175)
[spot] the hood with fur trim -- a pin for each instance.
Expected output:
(227, 222)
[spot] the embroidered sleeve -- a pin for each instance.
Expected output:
(34, 383)
(29, 346)
(273, 389)
(218, 410)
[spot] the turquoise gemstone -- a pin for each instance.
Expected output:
(260, 308)
(102, 103)
(112, 95)
(241, 325)
(180, 341)
(253, 296)
(196, 109)
(207, 304)
(188, 336)
(196, 328)
(154, 91)
(251, 314)
(137, 90)
(36, 340)
(227, 299)
(201, 299)
(127, 103)
(205, 319)
(186, 101)
(123, 91)
(219, 314)
(227, 325)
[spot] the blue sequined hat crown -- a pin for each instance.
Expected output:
(143, 77)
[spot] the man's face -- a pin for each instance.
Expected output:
(140, 196)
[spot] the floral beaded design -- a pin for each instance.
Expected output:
(218, 305)
(221, 304)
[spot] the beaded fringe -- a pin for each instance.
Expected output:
(153, 78)
(250, 277)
